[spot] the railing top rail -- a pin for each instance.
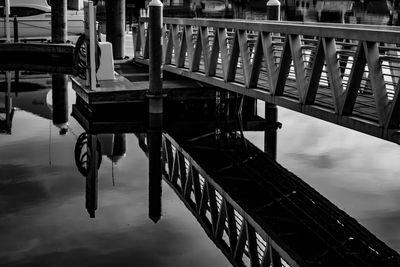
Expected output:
(373, 33)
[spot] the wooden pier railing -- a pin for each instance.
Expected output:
(345, 74)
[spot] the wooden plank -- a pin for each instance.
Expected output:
(334, 74)
(212, 67)
(205, 49)
(220, 226)
(189, 45)
(239, 250)
(252, 241)
(272, 70)
(233, 238)
(377, 81)
(284, 68)
(353, 85)
(182, 171)
(188, 188)
(198, 50)
(204, 200)
(233, 59)
(223, 48)
(175, 169)
(180, 63)
(244, 52)
(196, 187)
(170, 46)
(257, 61)
(299, 67)
(316, 71)
(393, 120)
(213, 207)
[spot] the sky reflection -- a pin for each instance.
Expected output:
(43, 220)
(357, 172)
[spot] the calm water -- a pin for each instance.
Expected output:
(43, 220)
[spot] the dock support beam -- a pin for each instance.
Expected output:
(58, 21)
(156, 93)
(115, 26)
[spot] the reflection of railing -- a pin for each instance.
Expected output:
(344, 74)
(259, 214)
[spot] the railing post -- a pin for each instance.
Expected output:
(156, 93)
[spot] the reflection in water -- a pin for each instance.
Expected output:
(6, 106)
(60, 102)
(89, 151)
(254, 210)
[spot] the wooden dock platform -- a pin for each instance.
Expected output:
(131, 84)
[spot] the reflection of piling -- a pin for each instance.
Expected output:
(119, 147)
(155, 55)
(59, 21)
(115, 26)
(154, 141)
(60, 101)
(92, 175)
(270, 135)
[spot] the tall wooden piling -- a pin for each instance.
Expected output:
(115, 26)
(156, 91)
(58, 21)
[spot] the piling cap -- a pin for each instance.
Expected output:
(156, 3)
(273, 3)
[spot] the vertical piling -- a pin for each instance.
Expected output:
(155, 55)
(115, 26)
(60, 101)
(58, 21)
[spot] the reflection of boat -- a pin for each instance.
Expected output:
(34, 19)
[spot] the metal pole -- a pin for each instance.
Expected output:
(7, 22)
(58, 21)
(156, 93)
(115, 26)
